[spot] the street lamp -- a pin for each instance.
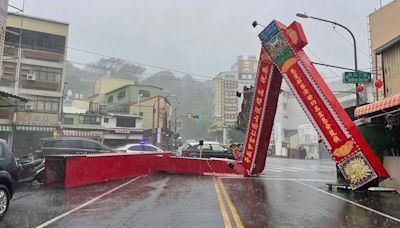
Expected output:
(303, 15)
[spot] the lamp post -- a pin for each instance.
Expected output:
(303, 15)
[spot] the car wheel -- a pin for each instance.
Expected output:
(4, 200)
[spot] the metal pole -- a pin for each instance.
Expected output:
(17, 77)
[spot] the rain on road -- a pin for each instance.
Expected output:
(290, 193)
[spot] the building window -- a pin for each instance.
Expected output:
(68, 120)
(106, 120)
(110, 99)
(86, 119)
(37, 40)
(123, 121)
(121, 94)
(144, 93)
(81, 119)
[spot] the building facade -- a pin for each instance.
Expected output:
(144, 101)
(33, 66)
(385, 48)
(107, 84)
(225, 103)
(121, 129)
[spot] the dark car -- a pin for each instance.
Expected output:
(210, 150)
(70, 145)
(8, 176)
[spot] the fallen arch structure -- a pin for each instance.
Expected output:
(282, 57)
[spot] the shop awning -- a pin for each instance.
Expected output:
(122, 131)
(377, 106)
(75, 133)
(6, 102)
(35, 128)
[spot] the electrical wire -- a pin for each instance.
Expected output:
(333, 27)
(155, 75)
(142, 64)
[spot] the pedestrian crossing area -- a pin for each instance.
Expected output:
(281, 169)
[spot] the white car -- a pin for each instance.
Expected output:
(138, 148)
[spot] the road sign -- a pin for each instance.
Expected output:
(357, 77)
(189, 116)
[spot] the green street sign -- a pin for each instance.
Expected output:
(357, 77)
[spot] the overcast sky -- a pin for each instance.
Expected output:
(203, 36)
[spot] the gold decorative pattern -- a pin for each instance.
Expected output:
(287, 64)
(265, 70)
(344, 150)
(356, 170)
(292, 36)
(265, 57)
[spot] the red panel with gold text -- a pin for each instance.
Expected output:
(268, 83)
(354, 157)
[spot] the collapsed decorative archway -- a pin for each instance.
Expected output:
(282, 57)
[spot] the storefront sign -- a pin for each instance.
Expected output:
(39, 119)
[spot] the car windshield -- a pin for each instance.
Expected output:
(200, 113)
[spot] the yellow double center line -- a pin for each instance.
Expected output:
(219, 186)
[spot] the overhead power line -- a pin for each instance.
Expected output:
(156, 75)
(346, 39)
(143, 64)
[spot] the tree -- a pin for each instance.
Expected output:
(117, 68)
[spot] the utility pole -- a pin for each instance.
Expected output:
(17, 77)
(302, 15)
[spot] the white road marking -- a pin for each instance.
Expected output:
(284, 169)
(85, 204)
(349, 201)
(273, 170)
(263, 177)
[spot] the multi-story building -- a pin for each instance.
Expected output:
(246, 70)
(225, 103)
(33, 63)
(145, 101)
(107, 84)
(379, 122)
(121, 129)
(127, 99)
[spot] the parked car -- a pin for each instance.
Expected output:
(210, 150)
(70, 145)
(8, 176)
(139, 148)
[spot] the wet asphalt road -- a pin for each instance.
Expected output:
(290, 193)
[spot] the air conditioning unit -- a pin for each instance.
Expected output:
(31, 77)
(28, 106)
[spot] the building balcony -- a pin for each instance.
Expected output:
(5, 113)
(40, 85)
(42, 55)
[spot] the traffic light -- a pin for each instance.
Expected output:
(199, 116)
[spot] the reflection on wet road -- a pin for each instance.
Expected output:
(293, 196)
